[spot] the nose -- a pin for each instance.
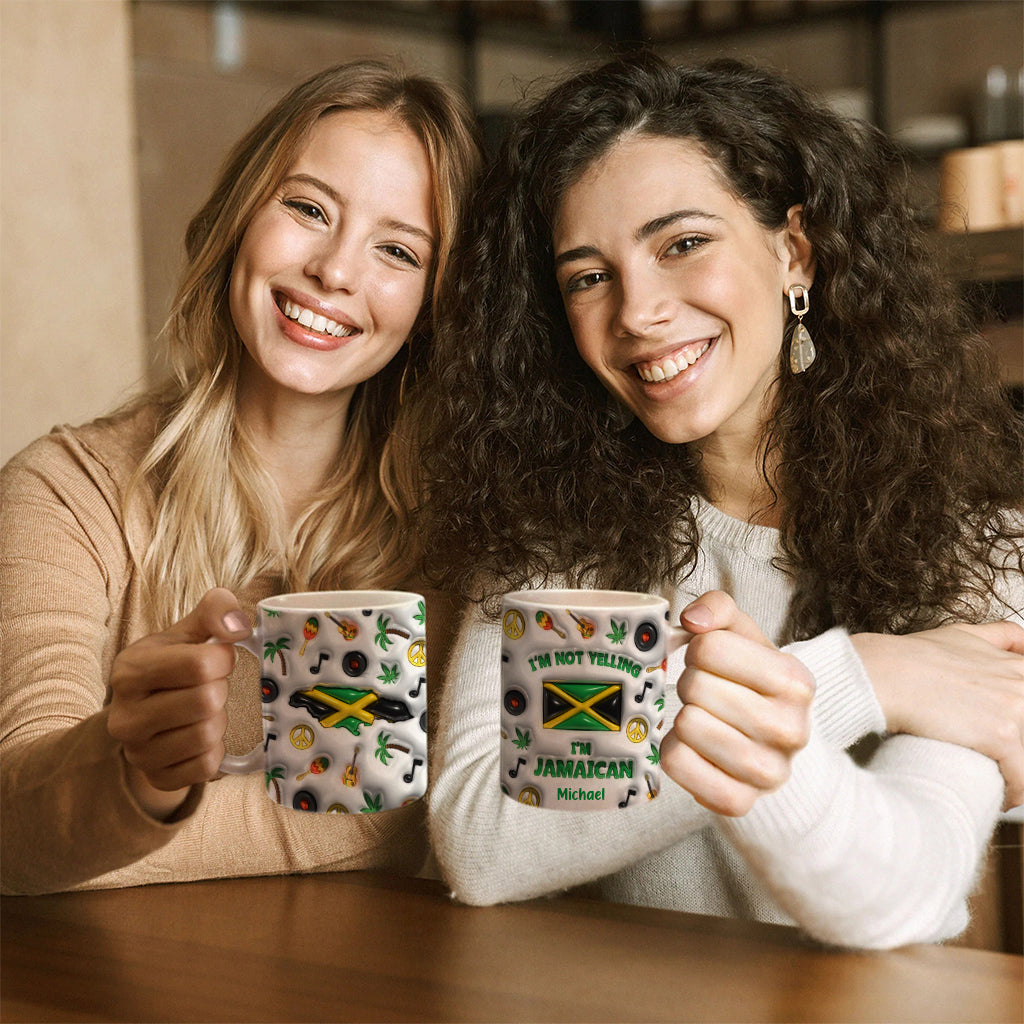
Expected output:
(335, 264)
(644, 304)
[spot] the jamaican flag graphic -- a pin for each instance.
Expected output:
(585, 707)
(345, 707)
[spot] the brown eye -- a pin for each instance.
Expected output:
(682, 246)
(309, 210)
(400, 253)
(586, 281)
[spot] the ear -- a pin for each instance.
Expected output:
(798, 246)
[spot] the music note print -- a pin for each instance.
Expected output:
(639, 698)
(416, 762)
(514, 772)
(315, 669)
(631, 793)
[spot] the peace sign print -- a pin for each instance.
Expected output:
(514, 624)
(301, 737)
(636, 729)
(417, 653)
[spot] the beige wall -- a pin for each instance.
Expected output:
(71, 342)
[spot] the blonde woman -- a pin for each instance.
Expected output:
(273, 460)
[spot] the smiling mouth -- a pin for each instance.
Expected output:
(314, 321)
(658, 371)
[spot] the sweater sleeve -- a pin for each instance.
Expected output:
(492, 849)
(880, 856)
(875, 856)
(845, 707)
(67, 812)
(70, 819)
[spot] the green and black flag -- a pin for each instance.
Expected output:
(584, 707)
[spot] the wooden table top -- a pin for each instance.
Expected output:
(366, 947)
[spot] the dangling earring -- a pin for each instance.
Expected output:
(801, 348)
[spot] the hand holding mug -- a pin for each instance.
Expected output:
(746, 710)
(168, 696)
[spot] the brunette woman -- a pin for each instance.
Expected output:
(700, 348)
(273, 460)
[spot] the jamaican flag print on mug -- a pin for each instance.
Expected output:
(582, 692)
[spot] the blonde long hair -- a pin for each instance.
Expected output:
(217, 516)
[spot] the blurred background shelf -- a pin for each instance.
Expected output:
(587, 28)
(987, 257)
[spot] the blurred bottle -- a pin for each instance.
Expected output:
(1017, 108)
(999, 108)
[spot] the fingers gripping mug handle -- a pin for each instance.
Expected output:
(677, 637)
(242, 764)
(676, 640)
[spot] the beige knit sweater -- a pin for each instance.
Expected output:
(71, 600)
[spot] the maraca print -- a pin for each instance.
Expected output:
(344, 697)
(582, 706)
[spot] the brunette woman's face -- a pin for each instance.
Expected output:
(332, 270)
(673, 290)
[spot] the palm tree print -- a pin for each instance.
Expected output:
(271, 778)
(382, 753)
(389, 673)
(385, 630)
(278, 647)
(421, 614)
(374, 802)
(384, 748)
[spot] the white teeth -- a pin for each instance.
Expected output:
(667, 368)
(314, 321)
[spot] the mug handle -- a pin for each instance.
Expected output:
(242, 764)
(677, 637)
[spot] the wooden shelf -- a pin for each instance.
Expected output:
(987, 257)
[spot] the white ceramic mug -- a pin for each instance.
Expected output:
(583, 695)
(344, 697)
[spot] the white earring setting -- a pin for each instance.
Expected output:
(801, 349)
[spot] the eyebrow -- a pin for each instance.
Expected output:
(336, 197)
(652, 227)
(582, 252)
(642, 234)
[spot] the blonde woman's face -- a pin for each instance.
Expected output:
(673, 290)
(332, 270)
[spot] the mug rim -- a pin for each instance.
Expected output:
(340, 600)
(603, 599)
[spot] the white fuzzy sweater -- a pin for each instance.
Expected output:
(875, 856)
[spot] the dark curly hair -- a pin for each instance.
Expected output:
(898, 455)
